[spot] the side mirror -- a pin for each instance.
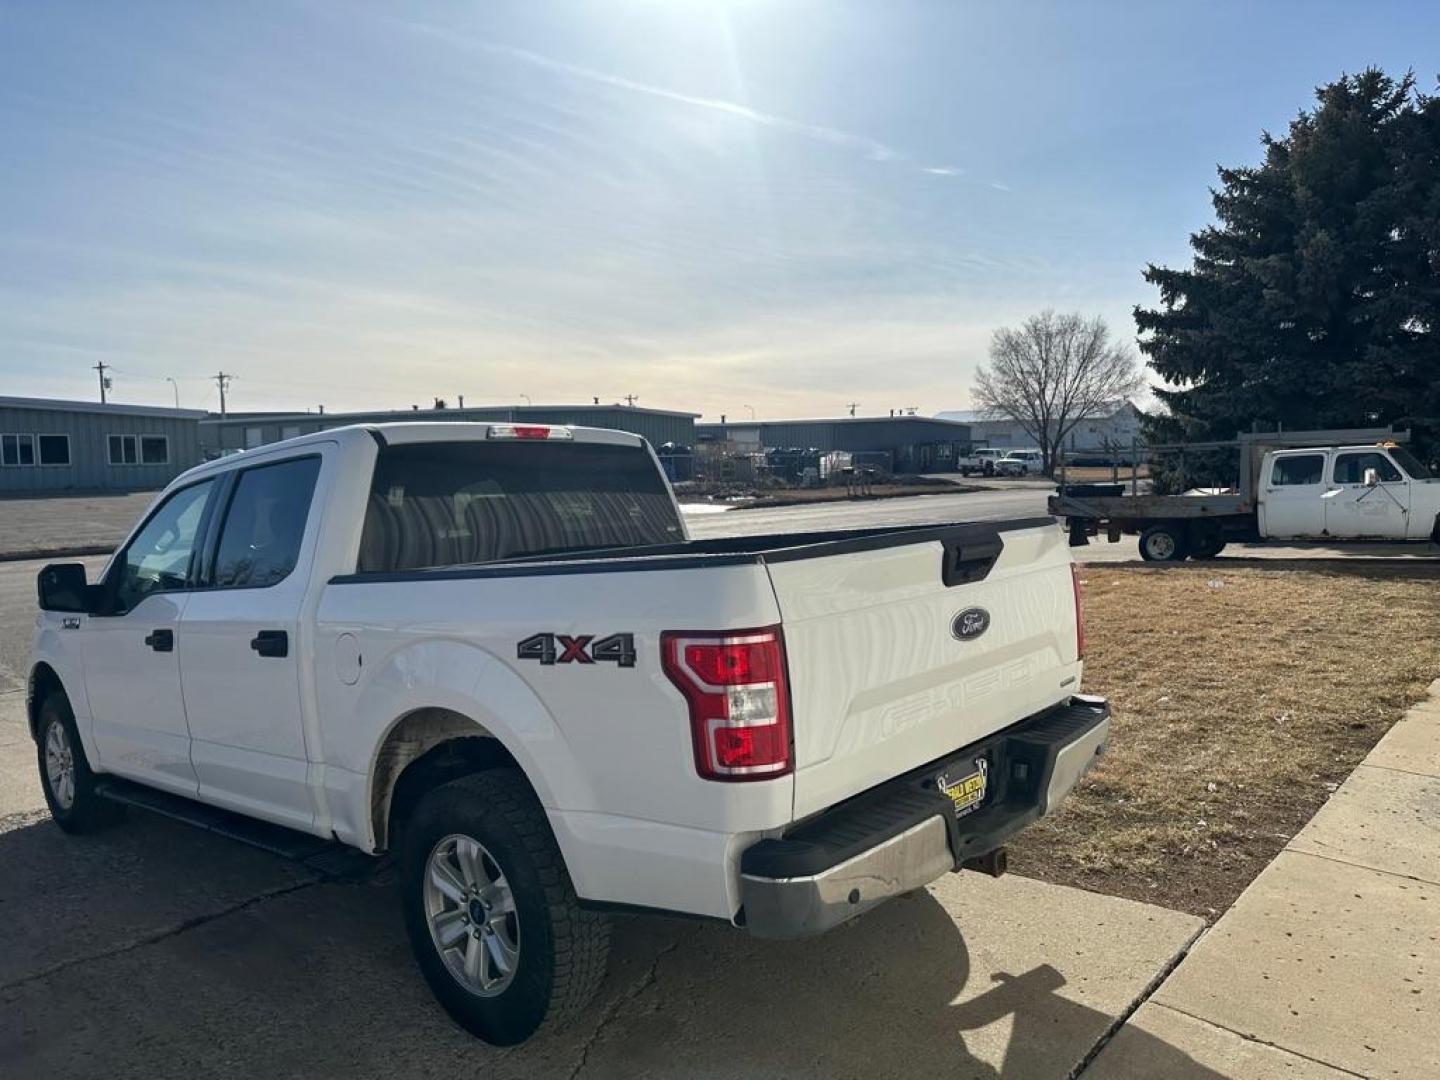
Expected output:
(1372, 477)
(62, 587)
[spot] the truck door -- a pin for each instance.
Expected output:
(240, 646)
(132, 677)
(1355, 510)
(1291, 503)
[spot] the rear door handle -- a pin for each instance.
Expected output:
(271, 643)
(161, 640)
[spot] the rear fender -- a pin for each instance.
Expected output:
(473, 683)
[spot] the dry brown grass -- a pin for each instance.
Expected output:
(1242, 698)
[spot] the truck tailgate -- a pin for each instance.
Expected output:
(883, 680)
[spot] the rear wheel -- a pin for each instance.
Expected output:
(492, 916)
(1207, 545)
(65, 775)
(1163, 543)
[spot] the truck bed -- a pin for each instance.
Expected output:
(962, 537)
(1149, 507)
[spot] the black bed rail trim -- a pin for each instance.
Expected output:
(720, 551)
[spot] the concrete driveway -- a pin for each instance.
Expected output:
(154, 950)
(157, 951)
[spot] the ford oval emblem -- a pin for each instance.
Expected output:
(970, 623)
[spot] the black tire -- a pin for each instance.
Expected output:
(562, 948)
(75, 806)
(1163, 543)
(1207, 547)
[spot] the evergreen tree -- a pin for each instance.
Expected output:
(1314, 301)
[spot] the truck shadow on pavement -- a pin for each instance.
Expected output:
(155, 950)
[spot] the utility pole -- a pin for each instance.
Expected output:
(104, 382)
(852, 407)
(222, 380)
(630, 400)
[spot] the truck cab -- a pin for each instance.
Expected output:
(1379, 492)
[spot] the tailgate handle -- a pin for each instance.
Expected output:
(969, 561)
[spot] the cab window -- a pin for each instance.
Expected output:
(1298, 470)
(159, 558)
(1350, 468)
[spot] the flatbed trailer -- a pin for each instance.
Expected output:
(1202, 523)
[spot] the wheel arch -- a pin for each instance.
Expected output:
(425, 747)
(44, 681)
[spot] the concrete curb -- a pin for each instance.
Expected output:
(75, 551)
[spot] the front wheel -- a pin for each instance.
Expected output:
(1163, 543)
(492, 915)
(65, 775)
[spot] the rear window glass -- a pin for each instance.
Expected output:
(1297, 470)
(446, 504)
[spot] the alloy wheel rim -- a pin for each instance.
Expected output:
(60, 765)
(470, 909)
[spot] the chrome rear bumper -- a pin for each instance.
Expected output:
(904, 834)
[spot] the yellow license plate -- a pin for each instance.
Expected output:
(966, 792)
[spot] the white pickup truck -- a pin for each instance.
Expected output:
(493, 650)
(980, 461)
(1305, 491)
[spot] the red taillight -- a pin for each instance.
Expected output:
(1079, 613)
(739, 702)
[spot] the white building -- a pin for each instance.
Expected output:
(1113, 427)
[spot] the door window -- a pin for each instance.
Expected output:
(260, 540)
(158, 559)
(1350, 468)
(1298, 470)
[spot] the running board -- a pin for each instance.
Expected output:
(328, 858)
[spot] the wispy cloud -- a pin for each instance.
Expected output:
(943, 170)
(871, 148)
(999, 185)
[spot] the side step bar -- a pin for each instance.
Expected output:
(328, 858)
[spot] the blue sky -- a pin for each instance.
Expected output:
(781, 205)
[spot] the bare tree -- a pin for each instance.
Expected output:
(1051, 372)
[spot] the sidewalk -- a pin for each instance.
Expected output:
(1328, 966)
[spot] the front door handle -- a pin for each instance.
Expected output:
(271, 643)
(161, 640)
